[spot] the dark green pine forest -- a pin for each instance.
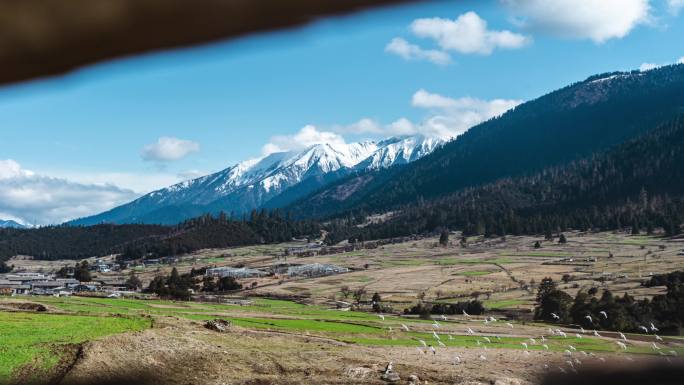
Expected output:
(639, 184)
(568, 124)
(135, 241)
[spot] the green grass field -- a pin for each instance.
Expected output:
(35, 339)
(503, 304)
(474, 273)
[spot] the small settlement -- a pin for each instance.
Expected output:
(34, 283)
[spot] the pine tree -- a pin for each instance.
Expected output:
(444, 238)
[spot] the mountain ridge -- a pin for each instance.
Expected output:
(4, 224)
(253, 183)
(563, 125)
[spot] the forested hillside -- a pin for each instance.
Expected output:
(639, 184)
(134, 241)
(565, 125)
(55, 242)
(216, 232)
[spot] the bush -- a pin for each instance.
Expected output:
(175, 286)
(471, 307)
(228, 284)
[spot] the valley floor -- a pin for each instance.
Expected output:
(81, 340)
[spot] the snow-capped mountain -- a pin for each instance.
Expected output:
(399, 150)
(11, 224)
(270, 181)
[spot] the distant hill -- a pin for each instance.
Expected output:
(11, 224)
(565, 125)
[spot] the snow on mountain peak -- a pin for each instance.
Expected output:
(252, 183)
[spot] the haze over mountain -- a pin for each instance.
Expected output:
(271, 181)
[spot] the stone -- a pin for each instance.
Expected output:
(507, 381)
(358, 373)
(217, 325)
(391, 377)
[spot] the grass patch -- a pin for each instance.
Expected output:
(29, 338)
(503, 304)
(403, 262)
(474, 273)
(539, 254)
(214, 260)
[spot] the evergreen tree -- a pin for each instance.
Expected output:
(444, 238)
(81, 272)
(133, 282)
(4, 268)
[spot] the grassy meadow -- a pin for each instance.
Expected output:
(35, 339)
(38, 339)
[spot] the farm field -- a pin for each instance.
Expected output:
(35, 344)
(70, 321)
(304, 338)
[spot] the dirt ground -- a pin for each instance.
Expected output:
(504, 271)
(183, 352)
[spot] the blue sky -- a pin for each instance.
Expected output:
(137, 124)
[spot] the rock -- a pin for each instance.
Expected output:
(413, 380)
(507, 381)
(358, 372)
(217, 325)
(391, 377)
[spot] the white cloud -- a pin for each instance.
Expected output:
(467, 34)
(33, 198)
(363, 126)
(307, 136)
(425, 99)
(597, 20)
(408, 51)
(168, 149)
(141, 183)
(447, 118)
(675, 6)
(11, 169)
(452, 117)
(647, 66)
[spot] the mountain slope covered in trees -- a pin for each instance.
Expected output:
(640, 183)
(565, 125)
